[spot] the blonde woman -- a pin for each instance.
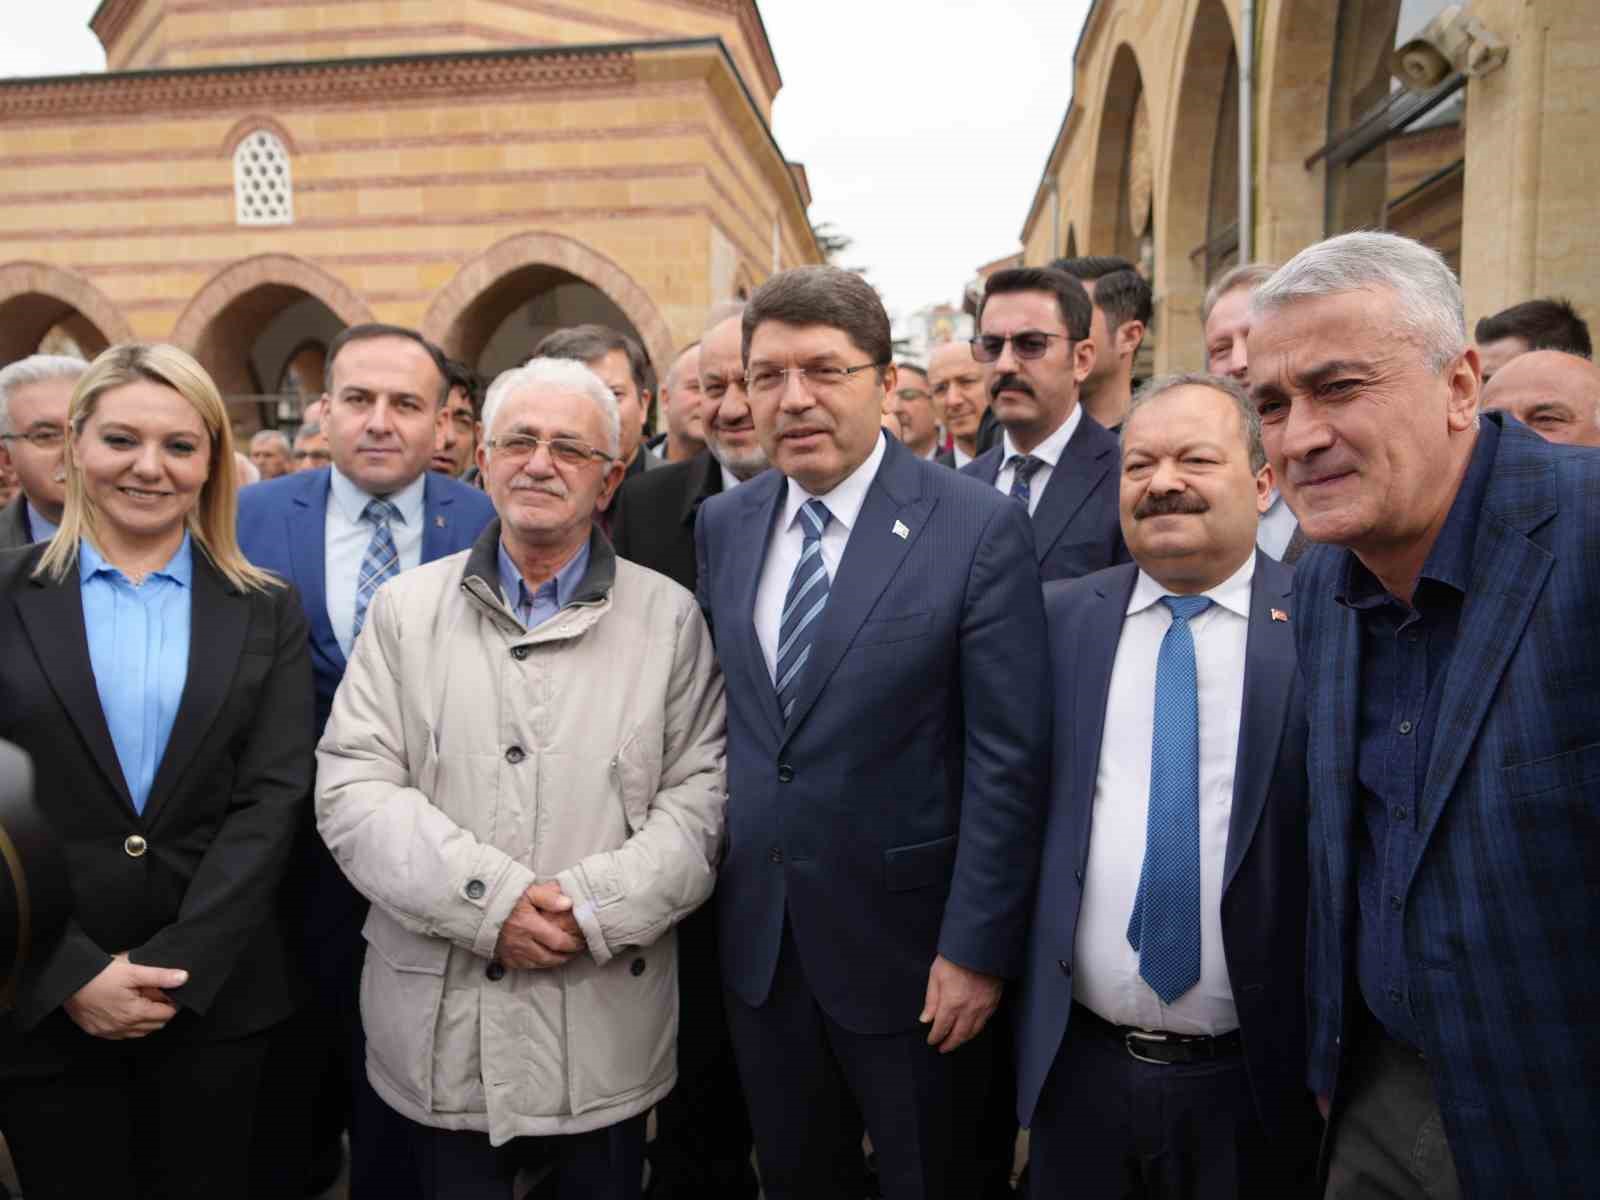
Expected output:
(163, 687)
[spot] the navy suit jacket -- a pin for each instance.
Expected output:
(281, 527)
(1501, 920)
(896, 815)
(1076, 527)
(1264, 869)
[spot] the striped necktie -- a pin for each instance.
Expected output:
(1022, 468)
(802, 605)
(381, 562)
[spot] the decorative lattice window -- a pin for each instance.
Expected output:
(262, 189)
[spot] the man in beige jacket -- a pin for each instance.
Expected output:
(524, 772)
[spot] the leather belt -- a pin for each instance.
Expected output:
(1156, 1046)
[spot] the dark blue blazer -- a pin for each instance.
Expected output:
(896, 816)
(1076, 527)
(1501, 917)
(1264, 870)
(281, 524)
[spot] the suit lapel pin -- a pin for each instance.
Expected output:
(1279, 615)
(900, 530)
(439, 521)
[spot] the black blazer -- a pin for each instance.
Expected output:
(1076, 527)
(1264, 890)
(14, 531)
(652, 520)
(199, 891)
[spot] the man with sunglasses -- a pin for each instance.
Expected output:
(1054, 459)
(879, 623)
(34, 393)
(524, 773)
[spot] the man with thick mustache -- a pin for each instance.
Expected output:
(1054, 459)
(1449, 639)
(1161, 1022)
(878, 619)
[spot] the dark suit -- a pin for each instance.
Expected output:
(14, 528)
(894, 817)
(1076, 528)
(1264, 871)
(702, 1142)
(282, 526)
(190, 882)
(945, 458)
(1499, 918)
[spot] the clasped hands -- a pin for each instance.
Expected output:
(126, 1000)
(541, 931)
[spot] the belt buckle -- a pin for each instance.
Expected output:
(1137, 1035)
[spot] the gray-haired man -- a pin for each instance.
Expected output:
(34, 394)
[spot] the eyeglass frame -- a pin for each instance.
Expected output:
(591, 453)
(33, 434)
(976, 341)
(845, 373)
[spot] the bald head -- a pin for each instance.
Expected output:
(1555, 394)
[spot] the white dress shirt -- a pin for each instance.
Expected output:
(345, 540)
(1277, 526)
(786, 540)
(962, 458)
(729, 479)
(1048, 451)
(1106, 972)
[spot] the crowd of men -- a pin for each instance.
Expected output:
(1198, 775)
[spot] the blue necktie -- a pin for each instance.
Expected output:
(802, 606)
(1022, 468)
(381, 562)
(1165, 925)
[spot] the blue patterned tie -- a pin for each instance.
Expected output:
(1165, 925)
(802, 606)
(381, 562)
(1022, 468)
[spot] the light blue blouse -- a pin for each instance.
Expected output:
(139, 649)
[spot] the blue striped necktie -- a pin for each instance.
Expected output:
(802, 606)
(381, 562)
(1022, 468)
(1165, 925)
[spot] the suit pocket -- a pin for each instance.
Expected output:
(884, 630)
(906, 868)
(402, 986)
(1559, 772)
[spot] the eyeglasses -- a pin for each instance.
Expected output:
(911, 393)
(39, 439)
(819, 381)
(321, 457)
(1030, 343)
(568, 452)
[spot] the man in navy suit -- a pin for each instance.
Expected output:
(1033, 339)
(1449, 640)
(878, 619)
(337, 533)
(1161, 1019)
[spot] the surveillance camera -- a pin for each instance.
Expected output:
(1452, 41)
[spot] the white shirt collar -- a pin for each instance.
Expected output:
(962, 458)
(1050, 449)
(352, 501)
(845, 500)
(729, 479)
(1233, 593)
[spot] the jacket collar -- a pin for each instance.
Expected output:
(703, 474)
(481, 577)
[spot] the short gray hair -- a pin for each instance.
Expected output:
(309, 429)
(1249, 417)
(276, 435)
(1246, 275)
(37, 368)
(556, 375)
(1427, 294)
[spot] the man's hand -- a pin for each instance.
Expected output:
(541, 931)
(125, 1000)
(959, 1004)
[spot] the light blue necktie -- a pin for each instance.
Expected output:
(381, 562)
(1022, 468)
(1165, 925)
(802, 606)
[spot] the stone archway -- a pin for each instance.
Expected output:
(474, 304)
(222, 323)
(1206, 55)
(1116, 140)
(36, 297)
(1293, 75)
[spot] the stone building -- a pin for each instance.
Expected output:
(1498, 171)
(247, 178)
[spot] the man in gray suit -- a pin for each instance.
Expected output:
(34, 393)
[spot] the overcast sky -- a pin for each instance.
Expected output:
(923, 124)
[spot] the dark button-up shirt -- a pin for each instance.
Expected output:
(1405, 655)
